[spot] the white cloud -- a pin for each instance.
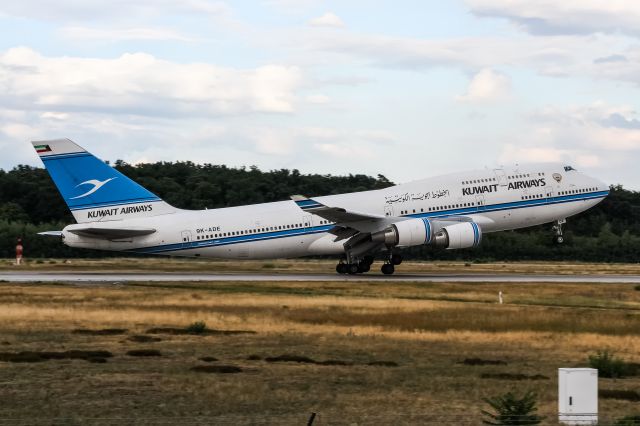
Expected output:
(487, 86)
(273, 141)
(318, 99)
(54, 115)
(114, 35)
(82, 11)
(566, 16)
(329, 19)
(143, 85)
(555, 56)
(598, 126)
(513, 154)
(582, 135)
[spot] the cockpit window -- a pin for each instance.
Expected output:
(569, 168)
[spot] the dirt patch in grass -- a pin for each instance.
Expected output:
(209, 359)
(334, 362)
(144, 352)
(100, 332)
(625, 395)
(291, 358)
(306, 360)
(383, 364)
(509, 376)
(207, 332)
(141, 338)
(254, 358)
(220, 369)
(35, 356)
(479, 361)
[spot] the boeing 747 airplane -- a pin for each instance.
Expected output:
(449, 212)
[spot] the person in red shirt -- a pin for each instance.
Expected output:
(19, 250)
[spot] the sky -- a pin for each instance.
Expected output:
(408, 89)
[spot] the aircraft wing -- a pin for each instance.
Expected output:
(348, 224)
(109, 233)
(333, 214)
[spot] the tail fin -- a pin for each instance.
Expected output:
(93, 190)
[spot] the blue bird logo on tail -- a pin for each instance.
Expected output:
(96, 185)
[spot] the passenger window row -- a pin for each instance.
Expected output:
(577, 191)
(439, 208)
(257, 230)
(532, 197)
(469, 182)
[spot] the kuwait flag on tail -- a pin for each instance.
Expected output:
(42, 148)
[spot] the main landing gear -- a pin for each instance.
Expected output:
(363, 265)
(358, 267)
(558, 238)
(390, 267)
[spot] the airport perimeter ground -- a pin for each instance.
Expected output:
(376, 352)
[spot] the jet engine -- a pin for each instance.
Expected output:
(415, 232)
(458, 236)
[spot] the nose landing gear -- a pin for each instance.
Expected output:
(558, 238)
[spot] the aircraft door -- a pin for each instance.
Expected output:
(388, 210)
(501, 177)
(187, 237)
(480, 202)
(549, 193)
(307, 221)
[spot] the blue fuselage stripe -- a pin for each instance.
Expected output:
(216, 242)
(513, 205)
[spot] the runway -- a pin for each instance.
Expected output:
(107, 277)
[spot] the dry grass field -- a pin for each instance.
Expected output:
(354, 352)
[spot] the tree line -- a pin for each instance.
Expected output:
(30, 203)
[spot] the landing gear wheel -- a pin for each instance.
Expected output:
(363, 267)
(387, 269)
(352, 269)
(341, 268)
(396, 259)
(557, 228)
(367, 260)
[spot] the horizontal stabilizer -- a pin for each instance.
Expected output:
(51, 233)
(109, 233)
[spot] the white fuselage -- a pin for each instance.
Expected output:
(496, 200)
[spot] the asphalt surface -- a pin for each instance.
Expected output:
(105, 277)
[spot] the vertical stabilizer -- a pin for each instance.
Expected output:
(93, 190)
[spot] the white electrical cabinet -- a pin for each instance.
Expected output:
(578, 396)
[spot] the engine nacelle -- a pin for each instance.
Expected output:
(417, 232)
(458, 236)
(406, 233)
